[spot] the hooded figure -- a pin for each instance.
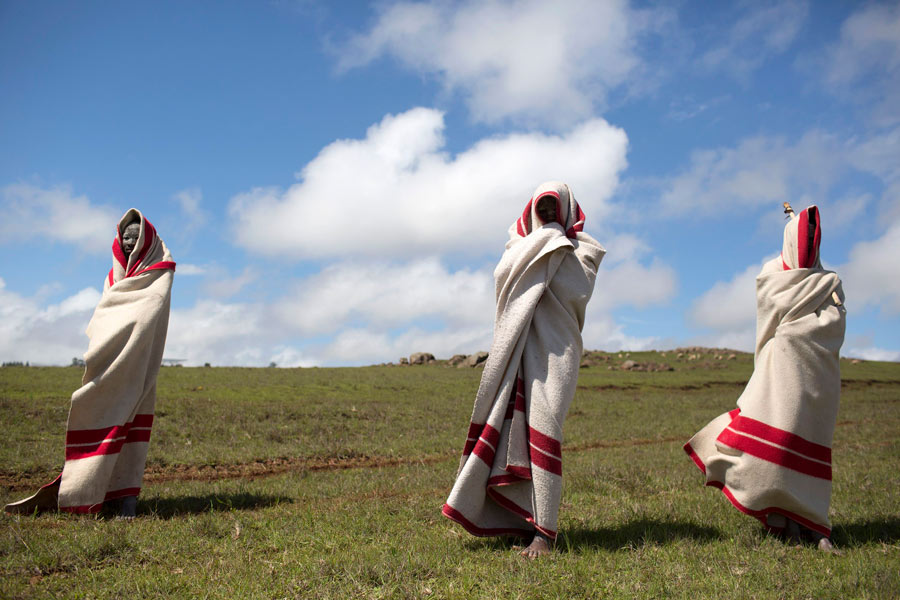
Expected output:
(771, 456)
(111, 414)
(510, 475)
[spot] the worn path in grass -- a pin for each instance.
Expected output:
(279, 466)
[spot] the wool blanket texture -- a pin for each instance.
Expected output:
(510, 474)
(111, 415)
(771, 456)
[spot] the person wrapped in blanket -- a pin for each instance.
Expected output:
(509, 480)
(771, 456)
(111, 415)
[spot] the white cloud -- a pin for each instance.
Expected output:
(758, 171)
(549, 62)
(871, 274)
(55, 215)
(368, 345)
(190, 201)
(728, 309)
(623, 280)
(872, 353)
(879, 154)
(864, 65)
(221, 333)
(52, 334)
(350, 313)
(602, 332)
(762, 32)
(728, 306)
(397, 193)
(220, 285)
(389, 295)
(188, 269)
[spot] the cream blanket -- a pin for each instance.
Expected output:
(771, 456)
(509, 480)
(112, 413)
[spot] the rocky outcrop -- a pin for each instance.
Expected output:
(474, 360)
(421, 358)
(456, 359)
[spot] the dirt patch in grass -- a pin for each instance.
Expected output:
(277, 466)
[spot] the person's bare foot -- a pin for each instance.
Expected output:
(128, 509)
(825, 545)
(539, 546)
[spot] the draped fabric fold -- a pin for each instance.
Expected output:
(510, 475)
(111, 415)
(771, 456)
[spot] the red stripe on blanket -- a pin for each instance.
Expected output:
(164, 264)
(490, 435)
(86, 436)
(544, 442)
(454, 515)
(500, 480)
(479, 434)
(763, 513)
(95, 436)
(518, 510)
(107, 448)
(808, 245)
(145, 420)
(519, 471)
(520, 395)
(579, 222)
(117, 251)
(548, 463)
(85, 443)
(111, 277)
(138, 435)
(782, 438)
(484, 452)
(759, 514)
(523, 224)
(470, 445)
(510, 505)
(774, 455)
(694, 457)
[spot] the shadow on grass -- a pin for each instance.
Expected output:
(166, 508)
(635, 533)
(628, 535)
(852, 535)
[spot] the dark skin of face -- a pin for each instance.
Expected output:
(130, 237)
(546, 209)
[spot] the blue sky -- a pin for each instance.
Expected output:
(335, 180)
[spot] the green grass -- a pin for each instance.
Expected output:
(363, 459)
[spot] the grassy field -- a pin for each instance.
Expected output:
(327, 483)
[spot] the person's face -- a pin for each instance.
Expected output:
(546, 209)
(130, 237)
